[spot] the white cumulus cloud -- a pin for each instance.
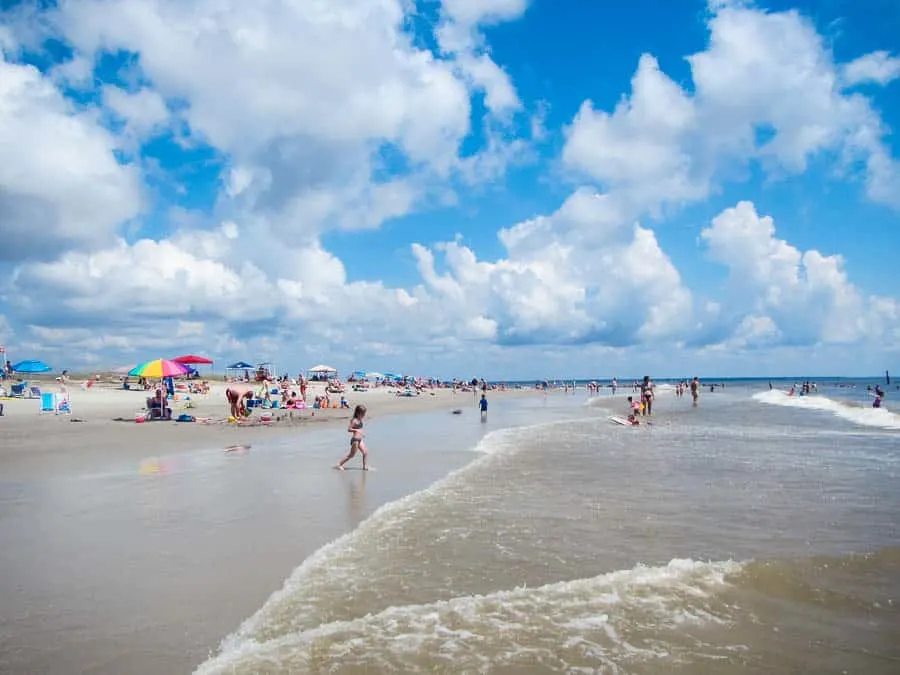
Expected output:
(333, 116)
(60, 183)
(804, 297)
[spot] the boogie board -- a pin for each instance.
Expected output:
(619, 420)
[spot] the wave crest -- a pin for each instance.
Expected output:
(600, 620)
(880, 418)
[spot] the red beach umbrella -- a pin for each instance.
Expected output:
(192, 359)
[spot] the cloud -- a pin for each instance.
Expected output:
(60, 183)
(802, 298)
(475, 12)
(640, 151)
(334, 117)
(459, 37)
(302, 100)
(876, 68)
(561, 284)
(143, 111)
(253, 75)
(766, 89)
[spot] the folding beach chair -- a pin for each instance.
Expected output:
(34, 392)
(18, 390)
(63, 405)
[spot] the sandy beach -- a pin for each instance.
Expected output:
(137, 547)
(101, 423)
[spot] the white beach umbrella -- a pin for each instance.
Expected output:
(322, 369)
(374, 375)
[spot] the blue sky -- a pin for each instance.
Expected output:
(508, 188)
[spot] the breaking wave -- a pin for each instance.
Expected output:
(864, 416)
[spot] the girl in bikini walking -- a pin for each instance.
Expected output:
(355, 428)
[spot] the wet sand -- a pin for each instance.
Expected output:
(101, 426)
(137, 547)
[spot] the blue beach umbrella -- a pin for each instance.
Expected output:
(359, 373)
(31, 367)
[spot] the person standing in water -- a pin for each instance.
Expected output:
(647, 395)
(355, 428)
(483, 404)
(695, 390)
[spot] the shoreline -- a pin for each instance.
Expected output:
(179, 558)
(101, 427)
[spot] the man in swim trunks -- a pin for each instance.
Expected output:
(235, 400)
(695, 390)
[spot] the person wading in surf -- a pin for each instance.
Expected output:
(647, 395)
(355, 428)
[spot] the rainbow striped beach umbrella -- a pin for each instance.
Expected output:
(159, 368)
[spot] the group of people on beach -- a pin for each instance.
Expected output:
(644, 407)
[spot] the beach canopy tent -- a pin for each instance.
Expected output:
(240, 365)
(193, 359)
(31, 367)
(322, 369)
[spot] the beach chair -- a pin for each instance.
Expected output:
(63, 406)
(48, 403)
(18, 390)
(34, 392)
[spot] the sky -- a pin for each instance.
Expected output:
(509, 189)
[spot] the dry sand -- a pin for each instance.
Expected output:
(102, 423)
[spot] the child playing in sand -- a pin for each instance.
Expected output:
(355, 428)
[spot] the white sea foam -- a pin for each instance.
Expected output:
(602, 401)
(297, 599)
(603, 621)
(864, 416)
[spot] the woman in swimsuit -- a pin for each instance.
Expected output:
(355, 428)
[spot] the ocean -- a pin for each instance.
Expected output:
(755, 533)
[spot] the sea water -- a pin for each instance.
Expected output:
(756, 532)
